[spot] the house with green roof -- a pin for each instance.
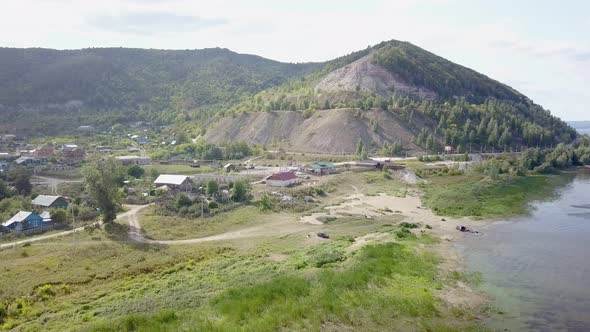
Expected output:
(321, 168)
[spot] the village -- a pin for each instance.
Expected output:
(182, 186)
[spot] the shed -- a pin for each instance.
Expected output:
(46, 216)
(48, 201)
(229, 168)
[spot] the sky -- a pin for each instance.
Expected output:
(541, 48)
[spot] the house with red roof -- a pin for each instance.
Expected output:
(283, 179)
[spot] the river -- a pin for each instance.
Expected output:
(537, 267)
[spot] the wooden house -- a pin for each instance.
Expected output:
(53, 202)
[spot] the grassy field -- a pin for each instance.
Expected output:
(97, 280)
(178, 169)
(476, 195)
(155, 226)
(280, 277)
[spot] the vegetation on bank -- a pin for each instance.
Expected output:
(501, 186)
(481, 196)
(391, 278)
(248, 284)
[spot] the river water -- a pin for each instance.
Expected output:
(537, 267)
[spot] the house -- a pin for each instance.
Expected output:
(104, 149)
(24, 161)
(25, 150)
(370, 164)
(44, 152)
(55, 202)
(133, 160)
(74, 155)
(283, 179)
(8, 138)
(321, 168)
(5, 155)
(23, 220)
(449, 149)
(86, 129)
(69, 147)
(175, 182)
(229, 168)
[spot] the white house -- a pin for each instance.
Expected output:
(175, 182)
(282, 179)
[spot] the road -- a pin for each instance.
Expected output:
(51, 183)
(132, 212)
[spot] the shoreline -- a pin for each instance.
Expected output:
(410, 207)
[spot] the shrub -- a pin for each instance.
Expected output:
(265, 203)
(213, 205)
(183, 201)
(408, 225)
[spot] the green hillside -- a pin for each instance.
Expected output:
(111, 84)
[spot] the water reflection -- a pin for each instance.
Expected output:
(537, 266)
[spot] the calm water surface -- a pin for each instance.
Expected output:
(538, 267)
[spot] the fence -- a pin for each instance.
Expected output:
(31, 231)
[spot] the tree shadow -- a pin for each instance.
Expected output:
(129, 235)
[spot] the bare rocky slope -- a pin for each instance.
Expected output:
(367, 76)
(329, 131)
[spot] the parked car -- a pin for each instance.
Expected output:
(323, 235)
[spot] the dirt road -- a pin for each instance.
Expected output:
(132, 212)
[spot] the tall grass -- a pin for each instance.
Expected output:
(483, 197)
(386, 286)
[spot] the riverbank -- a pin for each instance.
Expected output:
(535, 266)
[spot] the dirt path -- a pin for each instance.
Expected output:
(132, 212)
(276, 228)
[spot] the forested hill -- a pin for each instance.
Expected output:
(120, 81)
(440, 102)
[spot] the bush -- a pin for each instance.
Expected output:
(135, 171)
(265, 203)
(183, 201)
(213, 205)
(58, 216)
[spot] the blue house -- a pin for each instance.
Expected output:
(23, 220)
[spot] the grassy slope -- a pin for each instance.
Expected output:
(99, 281)
(476, 195)
(160, 227)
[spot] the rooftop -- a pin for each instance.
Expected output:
(171, 179)
(131, 157)
(19, 217)
(45, 200)
(322, 165)
(283, 176)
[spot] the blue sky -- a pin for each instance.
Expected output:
(541, 48)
